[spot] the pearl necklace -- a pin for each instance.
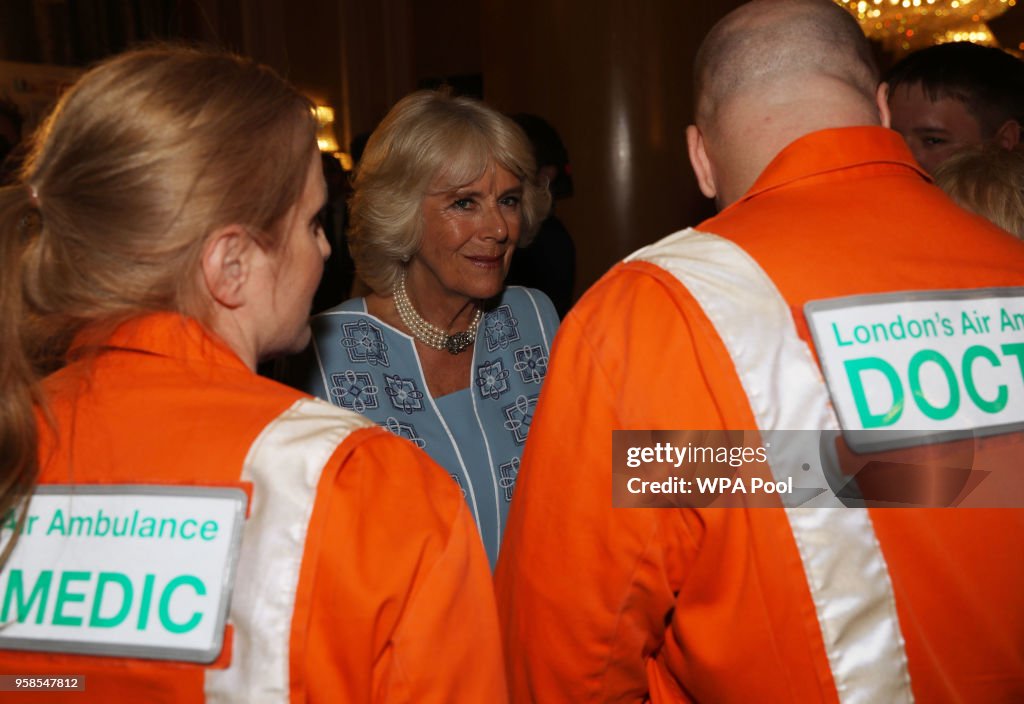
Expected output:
(428, 333)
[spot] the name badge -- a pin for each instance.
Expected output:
(912, 368)
(122, 570)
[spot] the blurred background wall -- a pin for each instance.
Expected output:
(612, 76)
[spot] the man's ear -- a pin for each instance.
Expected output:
(882, 102)
(227, 264)
(1008, 135)
(700, 162)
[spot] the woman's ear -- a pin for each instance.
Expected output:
(700, 162)
(227, 265)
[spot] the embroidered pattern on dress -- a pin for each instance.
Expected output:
(509, 471)
(354, 390)
(500, 328)
(404, 430)
(519, 415)
(531, 363)
(492, 379)
(458, 483)
(364, 342)
(403, 394)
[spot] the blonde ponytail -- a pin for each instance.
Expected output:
(19, 463)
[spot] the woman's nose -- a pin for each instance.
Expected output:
(496, 225)
(325, 245)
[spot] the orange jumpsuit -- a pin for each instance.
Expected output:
(603, 604)
(391, 598)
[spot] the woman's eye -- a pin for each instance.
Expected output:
(463, 203)
(933, 141)
(510, 201)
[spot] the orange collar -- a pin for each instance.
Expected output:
(833, 150)
(163, 334)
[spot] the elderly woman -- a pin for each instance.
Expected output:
(441, 353)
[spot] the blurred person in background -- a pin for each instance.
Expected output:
(339, 271)
(548, 263)
(951, 96)
(988, 181)
(10, 140)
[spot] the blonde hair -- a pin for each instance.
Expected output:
(140, 160)
(988, 181)
(430, 135)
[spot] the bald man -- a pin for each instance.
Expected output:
(822, 311)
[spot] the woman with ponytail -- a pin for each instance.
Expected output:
(174, 527)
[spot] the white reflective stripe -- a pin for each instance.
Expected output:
(783, 384)
(842, 560)
(284, 464)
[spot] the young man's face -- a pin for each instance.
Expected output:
(933, 129)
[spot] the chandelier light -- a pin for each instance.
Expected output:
(906, 25)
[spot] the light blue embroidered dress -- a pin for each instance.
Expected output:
(476, 434)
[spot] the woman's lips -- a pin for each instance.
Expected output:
(489, 262)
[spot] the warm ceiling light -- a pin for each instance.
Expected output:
(326, 140)
(906, 25)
